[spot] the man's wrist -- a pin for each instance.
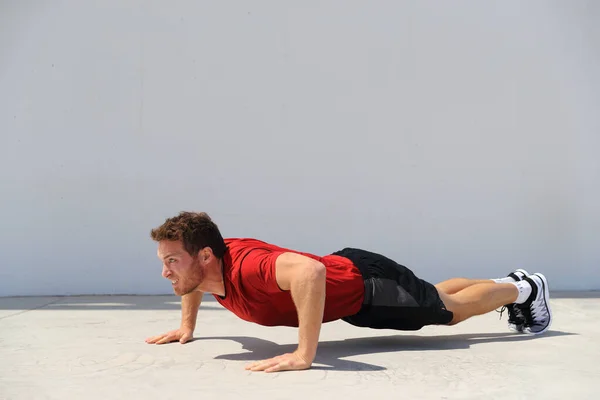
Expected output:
(307, 355)
(187, 327)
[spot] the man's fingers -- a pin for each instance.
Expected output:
(269, 365)
(250, 366)
(153, 339)
(170, 337)
(255, 364)
(279, 367)
(165, 339)
(263, 365)
(285, 362)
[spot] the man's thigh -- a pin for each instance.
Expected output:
(395, 298)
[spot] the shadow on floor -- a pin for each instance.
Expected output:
(332, 353)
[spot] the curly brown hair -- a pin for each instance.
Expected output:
(195, 229)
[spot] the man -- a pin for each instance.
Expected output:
(274, 286)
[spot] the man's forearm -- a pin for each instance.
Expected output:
(189, 309)
(308, 293)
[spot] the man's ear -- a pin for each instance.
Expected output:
(205, 254)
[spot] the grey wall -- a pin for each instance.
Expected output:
(460, 138)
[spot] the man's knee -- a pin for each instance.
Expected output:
(457, 318)
(451, 305)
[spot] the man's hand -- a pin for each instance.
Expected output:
(182, 335)
(189, 310)
(285, 362)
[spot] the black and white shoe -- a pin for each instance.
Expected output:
(516, 319)
(536, 310)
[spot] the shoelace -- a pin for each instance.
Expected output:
(501, 311)
(519, 313)
(515, 315)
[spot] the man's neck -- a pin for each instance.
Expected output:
(214, 280)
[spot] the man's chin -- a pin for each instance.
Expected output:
(179, 292)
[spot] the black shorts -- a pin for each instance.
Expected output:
(394, 297)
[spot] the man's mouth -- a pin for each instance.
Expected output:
(173, 281)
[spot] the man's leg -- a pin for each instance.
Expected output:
(455, 285)
(480, 298)
(530, 296)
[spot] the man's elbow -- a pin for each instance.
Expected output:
(319, 271)
(310, 273)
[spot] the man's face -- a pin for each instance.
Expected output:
(184, 271)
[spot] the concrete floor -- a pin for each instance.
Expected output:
(93, 348)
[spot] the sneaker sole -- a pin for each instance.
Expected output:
(515, 328)
(546, 303)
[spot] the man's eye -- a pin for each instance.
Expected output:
(171, 260)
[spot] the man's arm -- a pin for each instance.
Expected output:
(190, 303)
(189, 312)
(305, 278)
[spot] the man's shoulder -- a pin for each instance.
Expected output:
(248, 242)
(239, 239)
(246, 248)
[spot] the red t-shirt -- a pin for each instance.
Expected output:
(252, 293)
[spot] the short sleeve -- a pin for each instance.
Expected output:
(258, 269)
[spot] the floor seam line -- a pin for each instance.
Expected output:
(30, 309)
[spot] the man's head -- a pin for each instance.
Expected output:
(188, 244)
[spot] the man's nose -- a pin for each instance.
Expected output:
(165, 272)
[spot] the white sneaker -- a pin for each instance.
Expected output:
(519, 274)
(536, 310)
